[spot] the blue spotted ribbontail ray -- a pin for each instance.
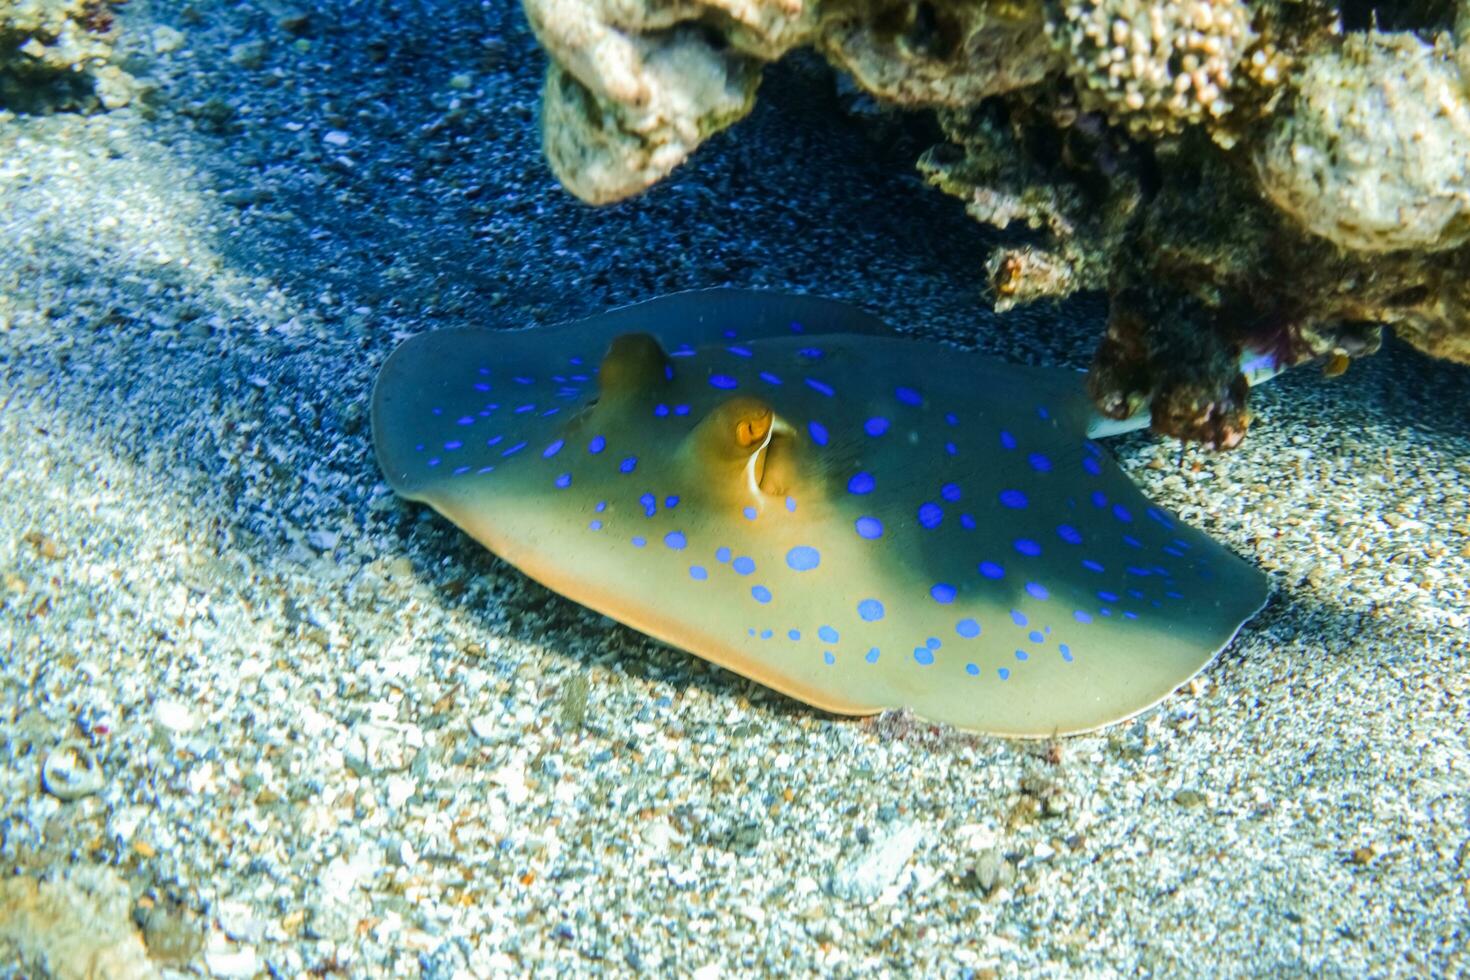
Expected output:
(783, 486)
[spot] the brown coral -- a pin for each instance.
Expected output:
(1281, 175)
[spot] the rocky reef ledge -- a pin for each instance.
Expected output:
(1285, 175)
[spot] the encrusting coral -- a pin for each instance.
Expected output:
(1283, 175)
(58, 52)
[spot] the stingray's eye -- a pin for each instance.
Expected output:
(751, 431)
(634, 362)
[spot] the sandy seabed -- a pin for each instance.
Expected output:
(293, 724)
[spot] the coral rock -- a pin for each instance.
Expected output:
(1373, 152)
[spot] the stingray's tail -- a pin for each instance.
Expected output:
(1257, 366)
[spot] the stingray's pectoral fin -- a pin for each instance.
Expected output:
(634, 363)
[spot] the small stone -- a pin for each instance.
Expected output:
(1363, 855)
(250, 54)
(864, 876)
(992, 872)
(70, 772)
(166, 39)
(1189, 797)
(240, 962)
(174, 716)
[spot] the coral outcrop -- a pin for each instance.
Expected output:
(1284, 175)
(58, 53)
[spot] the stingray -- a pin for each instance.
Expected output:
(785, 487)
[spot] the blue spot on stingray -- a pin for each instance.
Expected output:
(861, 483)
(1082, 616)
(1122, 514)
(1035, 636)
(950, 492)
(1091, 465)
(743, 565)
(1039, 462)
(514, 449)
(942, 592)
(639, 541)
(494, 440)
(1173, 551)
(812, 353)
(967, 521)
(760, 593)
(453, 445)
(871, 610)
(1003, 674)
(820, 387)
(740, 351)
(564, 481)
(1018, 617)
(730, 334)
(827, 634)
(698, 572)
(676, 540)
(522, 381)
(434, 462)
(1066, 652)
(1160, 518)
(819, 433)
(668, 372)
(553, 449)
(681, 409)
(597, 445)
(1069, 534)
(671, 502)
(1131, 541)
(722, 381)
(991, 570)
(1099, 499)
(869, 527)
(908, 396)
(461, 470)
(629, 465)
(766, 634)
(601, 506)
(750, 513)
(871, 656)
(523, 409)
(924, 656)
(876, 426)
(951, 418)
(1022, 655)
(485, 469)
(1041, 412)
(797, 327)
(769, 378)
(1014, 499)
(803, 558)
(1091, 566)
(467, 420)
(972, 670)
(722, 555)
(952, 449)
(1037, 590)
(650, 504)
(930, 515)
(967, 628)
(828, 658)
(1027, 547)
(933, 643)
(661, 410)
(1107, 596)
(794, 634)
(791, 504)
(1007, 441)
